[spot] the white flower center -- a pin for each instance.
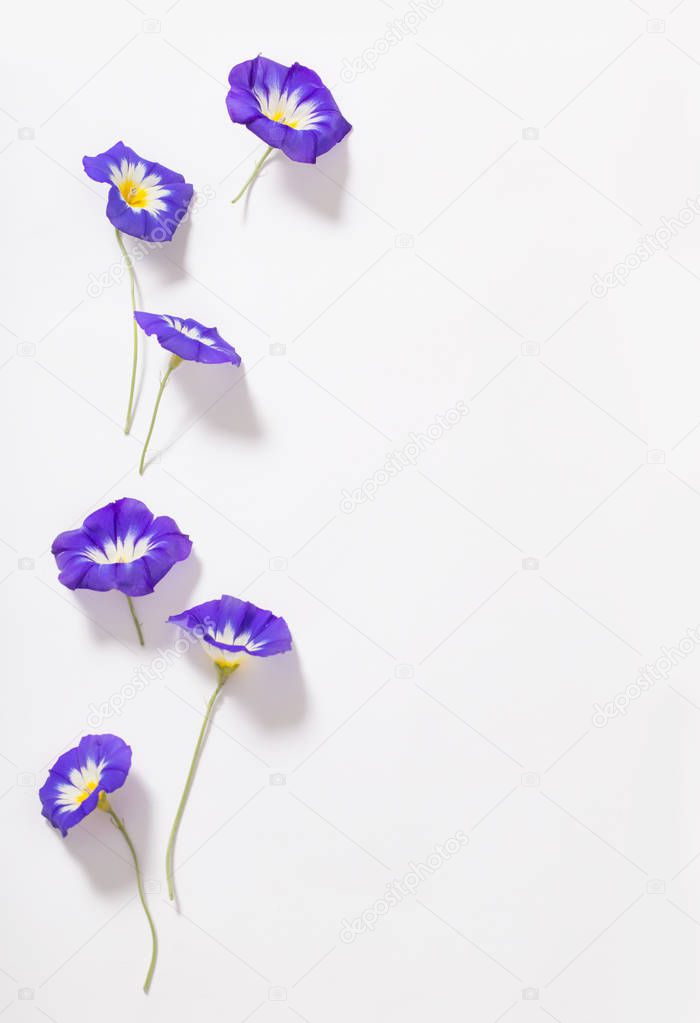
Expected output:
(139, 190)
(180, 327)
(124, 551)
(83, 781)
(286, 108)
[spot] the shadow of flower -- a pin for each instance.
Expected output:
(321, 186)
(228, 401)
(98, 846)
(109, 616)
(271, 689)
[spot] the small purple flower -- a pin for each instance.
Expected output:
(120, 547)
(229, 630)
(188, 339)
(78, 779)
(78, 783)
(146, 199)
(289, 108)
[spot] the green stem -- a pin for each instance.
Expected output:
(137, 623)
(223, 675)
(135, 356)
(256, 170)
(142, 896)
(175, 361)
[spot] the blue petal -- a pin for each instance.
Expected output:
(170, 334)
(100, 167)
(256, 631)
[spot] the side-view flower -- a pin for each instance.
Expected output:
(229, 630)
(186, 340)
(289, 108)
(77, 784)
(120, 547)
(146, 200)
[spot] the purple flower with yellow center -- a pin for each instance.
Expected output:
(80, 779)
(120, 547)
(288, 107)
(78, 783)
(146, 200)
(187, 340)
(230, 630)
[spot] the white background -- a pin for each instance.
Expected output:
(440, 681)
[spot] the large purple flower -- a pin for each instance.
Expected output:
(77, 784)
(288, 107)
(229, 628)
(120, 547)
(99, 763)
(188, 338)
(146, 199)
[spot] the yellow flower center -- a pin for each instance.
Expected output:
(227, 665)
(279, 116)
(90, 786)
(133, 193)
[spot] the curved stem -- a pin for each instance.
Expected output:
(223, 675)
(135, 356)
(173, 364)
(256, 170)
(142, 896)
(137, 623)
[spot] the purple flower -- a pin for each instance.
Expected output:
(146, 199)
(289, 108)
(188, 339)
(78, 779)
(77, 784)
(120, 547)
(230, 628)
